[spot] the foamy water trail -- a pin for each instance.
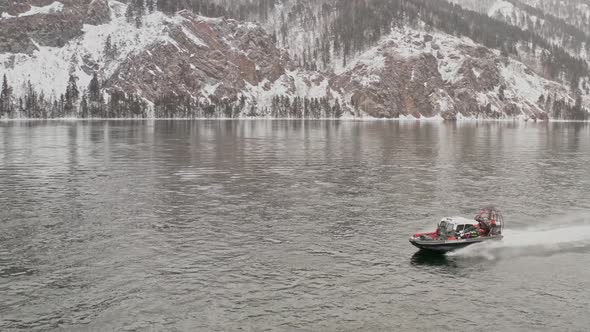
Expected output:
(566, 234)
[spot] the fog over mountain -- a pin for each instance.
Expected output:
(508, 59)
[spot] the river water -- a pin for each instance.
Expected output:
(290, 226)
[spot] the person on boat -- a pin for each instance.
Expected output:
(494, 229)
(484, 225)
(441, 230)
(475, 231)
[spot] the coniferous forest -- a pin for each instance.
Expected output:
(346, 29)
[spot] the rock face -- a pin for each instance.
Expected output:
(98, 12)
(400, 87)
(421, 75)
(409, 73)
(19, 35)
(206, 57)
(27, 24)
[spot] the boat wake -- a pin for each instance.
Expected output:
(572, 234)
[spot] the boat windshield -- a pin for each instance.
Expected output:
(445, 228)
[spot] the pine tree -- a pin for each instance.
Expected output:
(114, 51)
(73, 63)
(501, 94)
(150, 6)
(140, 7)
(161, 5)
(578, 111)
(5, 88)
(84, 107)
(337, 110)
(1, 103)
(138, 21)
(31, 105)
(94, 89)
(95, 98)
(5, 96)
(60, 106)
(72, 92)
(108, 48)
(575, 83)
(129, 14)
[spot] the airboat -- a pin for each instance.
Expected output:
(456, 233)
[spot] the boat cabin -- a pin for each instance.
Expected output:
(449, 227)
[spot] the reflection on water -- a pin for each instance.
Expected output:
(282, 225)
(430, 258)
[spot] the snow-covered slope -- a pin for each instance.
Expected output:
(556, 26)
(220, 67)
(50, 67)
(55, 7)
(458, 78)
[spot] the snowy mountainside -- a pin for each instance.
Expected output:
(204, 58)
(182, 64)
(52, 8)
(427, 73)
(560, 27)
(49, 68)
(557, 22)
(30, 23)
(574, 12)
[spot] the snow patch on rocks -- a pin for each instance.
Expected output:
(48, 68)
(501, 7)
(55, 7)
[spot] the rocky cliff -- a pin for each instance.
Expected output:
(220, 64)
(427, 74)
(29, 24)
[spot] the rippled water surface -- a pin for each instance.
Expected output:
(287, 225)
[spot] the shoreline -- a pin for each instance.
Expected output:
(345, 119)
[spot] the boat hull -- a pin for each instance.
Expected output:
(443, 246)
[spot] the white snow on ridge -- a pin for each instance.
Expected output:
(196, 40)
(372, 58)
(476, 72)
(293, 84)
(532, 3)
(408, 42)
(523, 86)
(48, 69)
(445, 103)
(210, 89)
(305, 87)
(49, 9)
(501, 7)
